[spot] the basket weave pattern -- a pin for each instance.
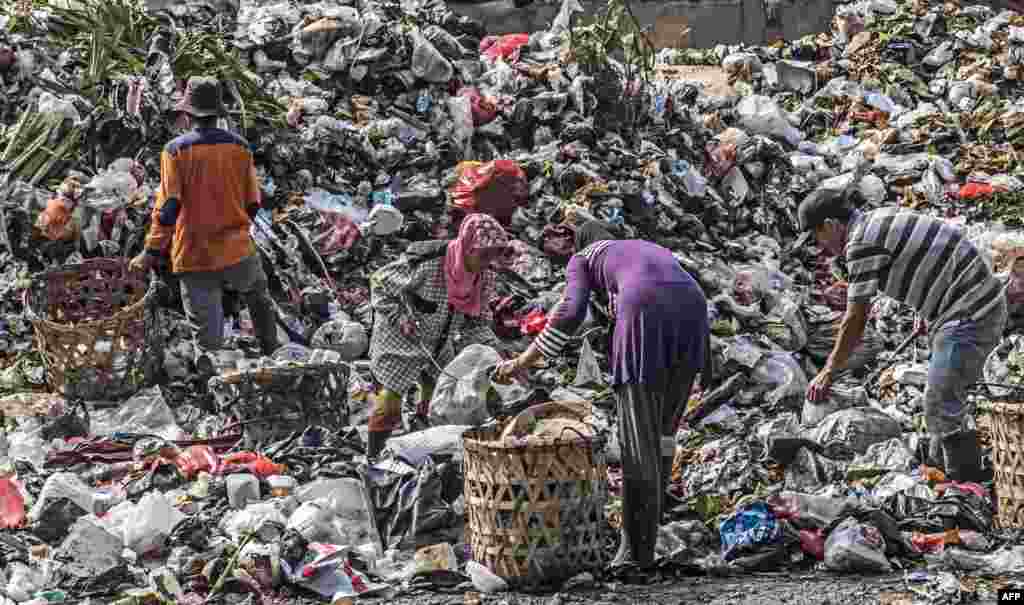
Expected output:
(535, 513)
(272, 403)
(97, 328)
(1008, 461)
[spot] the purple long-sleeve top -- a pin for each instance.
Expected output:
(660, 311)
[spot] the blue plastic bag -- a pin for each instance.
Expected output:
(747, 529)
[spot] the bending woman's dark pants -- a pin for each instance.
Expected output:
(648, 416)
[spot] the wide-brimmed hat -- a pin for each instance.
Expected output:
(202, 98)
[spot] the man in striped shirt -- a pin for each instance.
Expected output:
(929, 265)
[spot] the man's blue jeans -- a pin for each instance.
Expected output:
(958, 353)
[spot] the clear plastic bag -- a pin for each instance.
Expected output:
(761, 115)
(427, 62)
(461, 110)
(853, 546)
(460, 396)
(588, 371)
(147, 413)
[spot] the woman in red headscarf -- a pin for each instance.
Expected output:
(432, 302)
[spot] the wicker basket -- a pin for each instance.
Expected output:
(1007, 426)
(97, 329)
(272, 403)
(536, 512)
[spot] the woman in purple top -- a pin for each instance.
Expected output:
(658, 346)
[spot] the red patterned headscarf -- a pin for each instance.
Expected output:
(465, 289)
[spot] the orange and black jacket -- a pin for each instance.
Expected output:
(209, 194)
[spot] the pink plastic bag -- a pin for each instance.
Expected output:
(506, 47)
(483, 108)
(12, 504)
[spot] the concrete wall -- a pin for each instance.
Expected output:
(711, 22)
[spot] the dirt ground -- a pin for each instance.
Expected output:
(755, 589)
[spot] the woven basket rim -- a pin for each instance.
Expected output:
(474, 440)
(237, 376)
(37, 318)
(1002, 406)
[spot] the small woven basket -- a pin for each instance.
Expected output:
(97, 329)
(272, 403)
(1007, 426)
(536, 512)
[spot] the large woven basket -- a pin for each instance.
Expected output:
(97, 329)
(274, 402)
(1007, 426)
(536, 512)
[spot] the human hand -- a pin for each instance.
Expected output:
(142, 263)
(506, 370)
(820, 387)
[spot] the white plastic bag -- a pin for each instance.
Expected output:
(151, 524)
(460, 396)
(462, 119)
(761, 115)
(484, 579)
(853, 546)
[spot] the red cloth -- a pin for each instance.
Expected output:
(465, 289)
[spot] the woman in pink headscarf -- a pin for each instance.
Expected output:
(432, 302)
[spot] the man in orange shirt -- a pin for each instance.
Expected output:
(209, 194)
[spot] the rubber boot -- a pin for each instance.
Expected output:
(667, 500)
(963, 457)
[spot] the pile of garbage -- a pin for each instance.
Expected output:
(377, 124)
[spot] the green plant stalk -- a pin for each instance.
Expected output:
(70, 143)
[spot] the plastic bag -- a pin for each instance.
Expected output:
(588, 371)
(858, 428)
(747, 529)
(483, 108)
(325, 570)
(776, 377)
(561, 21)
(56, 222)
(146, 413)
(496, 188)
(12, 503)
(151, 524)
(66, 486)
(761, 115)
(461, 110)
(506, 47)
(845, 393)
(415, 448)
(484, 579)
(853, 547)
(427, 62)
(348, 338)
(460, 396)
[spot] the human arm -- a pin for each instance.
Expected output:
(563, 321)
(253, 192)
(851, 331)
(865, 263)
